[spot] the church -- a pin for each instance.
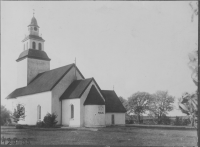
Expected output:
(77, 101)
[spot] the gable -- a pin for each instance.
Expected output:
(112, 102)
(45, 81)
(76, 89)
(94, 97)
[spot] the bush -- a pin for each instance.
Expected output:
(5, 116)
(149, 122)
(50, 120)
(181, 122)
(129, 122)
(165, 120)
(40, 124)
(19, 127)
(141, 121)
(186, 122)
(178, 121)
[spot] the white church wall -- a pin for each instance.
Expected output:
(36, 66)
(66, 112)
(59, 89)
(83, 98)
(30, 103)
(22, 73)
(119, 118)
(94, 116)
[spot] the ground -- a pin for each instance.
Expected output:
(120, 136)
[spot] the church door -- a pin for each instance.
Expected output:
(113, 119)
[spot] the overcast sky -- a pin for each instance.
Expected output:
(135, 46)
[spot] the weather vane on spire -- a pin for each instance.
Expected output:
(33, 12)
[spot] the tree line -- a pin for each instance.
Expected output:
(157, 105)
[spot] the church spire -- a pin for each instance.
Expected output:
(33, 22)
(33, 60)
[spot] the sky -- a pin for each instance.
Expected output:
(130, 46)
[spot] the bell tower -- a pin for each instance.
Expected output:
(33, 40)
(33, 59)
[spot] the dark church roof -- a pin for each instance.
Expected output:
(113, 104)
(32, 53)
(45, 81)
(76, 89)
(94, 98)
(33, 22)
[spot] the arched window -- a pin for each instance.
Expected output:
(39, 112)
(40, 46)
(33, 45)
(72, 111)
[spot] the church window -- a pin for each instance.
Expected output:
(40, 46)
(39, 112)
(33, 45)
(72, 111)
(35, 28)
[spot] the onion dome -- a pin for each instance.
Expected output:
(33, 22)
(34, 54)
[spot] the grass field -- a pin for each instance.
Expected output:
(120, 136)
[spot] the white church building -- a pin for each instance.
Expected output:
(77, 102)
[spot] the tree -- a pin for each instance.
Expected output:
(189, 102)
(19, 113)
(161, 104)
(128, 117)
(194, 7)
(138, 103)
(5, 115)
(188, 105)
(193, 65)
